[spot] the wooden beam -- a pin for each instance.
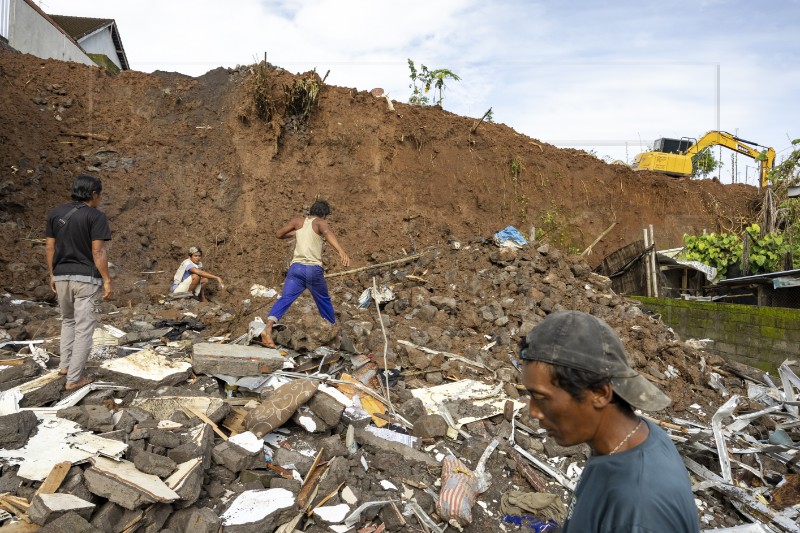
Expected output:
(55, 478)
(207, 420)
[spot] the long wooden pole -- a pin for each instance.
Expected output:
(369, 267)
(653, 264)
(647, 263)
(589, 249)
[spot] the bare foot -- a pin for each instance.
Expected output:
(266, 340)
(266, 336)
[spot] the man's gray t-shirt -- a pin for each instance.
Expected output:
(642, 490)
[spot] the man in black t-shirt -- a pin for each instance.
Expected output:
(76, 257)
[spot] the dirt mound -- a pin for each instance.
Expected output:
(188, 161)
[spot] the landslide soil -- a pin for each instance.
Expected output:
(189, 162)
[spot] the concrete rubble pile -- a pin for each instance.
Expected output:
(185, 430)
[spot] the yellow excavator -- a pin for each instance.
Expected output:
(674, 156)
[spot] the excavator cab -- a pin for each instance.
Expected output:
(672, 146)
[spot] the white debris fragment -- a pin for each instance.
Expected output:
(254, 505)
(248, 441)
(388, 485)
(332, 514)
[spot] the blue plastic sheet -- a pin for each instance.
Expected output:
(510, 236)
(536, 524)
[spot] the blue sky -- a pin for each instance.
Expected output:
(603, 78)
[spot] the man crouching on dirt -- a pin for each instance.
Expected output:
(190, 276)
(583, 390)
(306, 272)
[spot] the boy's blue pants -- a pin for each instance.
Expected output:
(299, 278)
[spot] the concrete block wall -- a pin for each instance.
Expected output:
(762, 337)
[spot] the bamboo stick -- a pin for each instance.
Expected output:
(379, 265)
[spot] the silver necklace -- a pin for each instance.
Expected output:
(627, 438)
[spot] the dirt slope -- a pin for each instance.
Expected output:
(189, 162)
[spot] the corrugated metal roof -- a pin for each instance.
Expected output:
(759, 277)
(79, 27)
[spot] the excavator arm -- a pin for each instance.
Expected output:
(765, 157)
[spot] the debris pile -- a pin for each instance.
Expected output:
(406, 416)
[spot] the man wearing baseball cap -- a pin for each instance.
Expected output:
(583, 390)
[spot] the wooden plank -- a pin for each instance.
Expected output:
(20, 527)
(55, 478)
(207, 420)
(234, 422)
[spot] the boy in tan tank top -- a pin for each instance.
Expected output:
(306, 272)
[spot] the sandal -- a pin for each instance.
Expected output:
(85, 380)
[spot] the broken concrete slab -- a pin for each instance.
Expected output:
(41, 390)
(17, 371)
(365, 438)
(45, 508)
(235, 360)
(16, 428)
(146, 370)
(194, 520)
(163, 406)
(121, 483)
(57, 440)
(258, 510)
(186, 481)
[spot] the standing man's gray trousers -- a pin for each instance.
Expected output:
(80, 306)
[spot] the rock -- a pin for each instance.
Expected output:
(309, 421)
(11, 374)
(327, 408)
(285, 458)
(164, 438)
(187, 481)
(96, 418)
(445, 303)
(47, 507)
(235, 458)
(429, 426)
(151, 463)
(72, 522)
(412, 409)
(194, 520)
(16, 428)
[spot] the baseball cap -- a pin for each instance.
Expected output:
(195, 250)
(584, 342)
